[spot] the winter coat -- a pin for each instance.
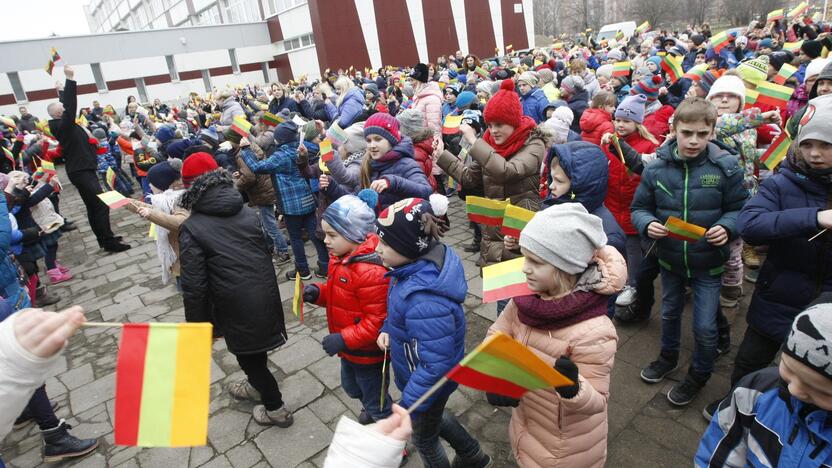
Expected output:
(595, 122)
(429, 101)
(9, 282)
(516, 178)
(325, 110)
(74, 139)
(592, 86)
(766, 426)
(227, 273)
(355, 298)
(535, 104)
(783, 215)
(799, 98)
(350, 108)
(258, 187)
(658, 122)
(27, 124)
(547, 430)
(578, 102)
(426, 323)
(422, 151)
(738, 132)
(293, 191)
(347, 172)
(230, 109)
(706, 190)
(285, 102)
(623, 182)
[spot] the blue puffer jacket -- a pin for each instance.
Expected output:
(426, 323)
(587, 169)
(783, 215)
(351, 106)
(295, 193)
(9, 283)
(578, 103)
(706, 190)
(535, 104)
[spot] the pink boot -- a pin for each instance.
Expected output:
(57, 276)
(64, 269)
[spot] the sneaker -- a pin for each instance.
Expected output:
(364, 418)
(242, 390)
(57, 276)
(320, 272)
(730, 296)
(723, 341)
(709, 411)
(750, 257)
(304, 275)
(480, 460)
(59, 444)
(280, 417)
(282, 258)
(68, 226)
(751, 275)
(631, 314)
(58, 265)
(45, 298)
(657, 370)
(626, 297)
(472, 247)
(684, 392)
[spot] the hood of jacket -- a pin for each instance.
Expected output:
(213, 194)
(437, 271)
(587, 168)
(801, 180)
(593, 118)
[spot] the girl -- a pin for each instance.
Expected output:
(345, 168)
(427, 97)
(597, 120)
(571, 272)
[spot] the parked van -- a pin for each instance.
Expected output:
(610, 30)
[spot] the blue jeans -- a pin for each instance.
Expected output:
(705, 305)
(363, 382)
(435, 423)
(269, 223)
(295, 225)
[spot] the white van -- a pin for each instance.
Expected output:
(609, 31)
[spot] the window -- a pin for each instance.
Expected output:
(100, 83)
(142, 90)
(235, 67)
(201, 4)
(14, 79)
(242, 11)
(179, 13)
(298, 42)
(174, 73)
(283, 5)
(209, 16)
(160, 23)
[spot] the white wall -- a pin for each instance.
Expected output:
(296, 22)
(234, 79)
(132, 68)
(305, 61)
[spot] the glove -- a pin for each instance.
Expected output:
(565, 366)
(334, 344)
(499, 400)
(311, 293)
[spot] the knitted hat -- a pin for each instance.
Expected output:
(729, 84)
(407, 226)
(559, 123)
(474, 119)
(649, 87)
(765, 44)
(351, 217)
(355, 138)
(656, 61)
(616, 54)
(162, 175)
(546, 76)
(420, 73)
(411, 122)
(310, 131)
(826, 73)
(384, 125)
(816, 123)
(209, 135)
(529, 77)
(572, 84)
(810, 339)
(697, 39)
(99, 134)
(778, 58)
(232, 136)
(286, 132)
(564, 235)
(754, 71)
(604, 70)
(632, 108)
(196, 165)
(465, 99)
(707, 81)
(504, 107)
(815, 67)
(372, 88)
(165, 133)
(812, 48)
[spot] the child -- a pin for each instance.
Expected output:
(106, 160)
(425, 325)
(356, 302)
(779, 417)
(696, 181)
(412, 125)
(597, 120)
(620, 87)
(571, 272)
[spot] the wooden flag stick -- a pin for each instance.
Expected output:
(383, 378)
(817, 235)
(650, 249)
(427, 394)
(101, 325)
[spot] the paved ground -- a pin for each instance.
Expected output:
(644, 429)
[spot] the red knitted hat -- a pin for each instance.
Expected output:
(195, 165)
(504, 107)
(384, 125)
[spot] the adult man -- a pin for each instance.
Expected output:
(81, 163)
(97, 112)
(27, 122)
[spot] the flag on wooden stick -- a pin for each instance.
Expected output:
(515, 219)
(485, 211)
(241, 126)
(776, 153)
(683, 230)
(785, 72)
(504, 280)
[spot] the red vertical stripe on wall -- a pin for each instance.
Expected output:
(129, 379)
(338, 38)
(439, 28)
(395, 33)
(275, 32)
(514, 25)
(284, 68)
(480, 32)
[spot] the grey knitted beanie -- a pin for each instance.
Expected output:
(565, 235)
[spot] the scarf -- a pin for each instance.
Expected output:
(515, 141)
(799, 165)
(560, 313)
(165, 202)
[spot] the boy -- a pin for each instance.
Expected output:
(780, 417)
(700, 183)
(425, 325)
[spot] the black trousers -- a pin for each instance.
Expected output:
(256, 367)
(756, 352)
(98, 213)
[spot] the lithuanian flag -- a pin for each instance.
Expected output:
(776, 153)
(163, 378)
(271, 120)
(110, 177)
(697, 72)
(797, 12)
(327, 154)
(515, 219)
(48, 167)
(773, 94)
(721, 40)
(621, 69)
(786, 71)
(792, 47)
(336, 134)
(451, 124)
(504, 280)
(775, 15)
(683, 230)
(643, 27)
(241, 126)
(751, 98)
(672, 65)
(485, 211)
(479, 71)
(113, 199)
(297, 299)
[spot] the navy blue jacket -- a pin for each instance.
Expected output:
(578, 103)
(426, 323)
(783, 215)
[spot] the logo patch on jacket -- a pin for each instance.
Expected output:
(342, 279)
(709, 180)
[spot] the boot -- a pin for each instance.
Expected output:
(68, 226)
(44, 298)
(115, 245)
(57, 276)
(64, 269)
(59, 444)
(750, 257)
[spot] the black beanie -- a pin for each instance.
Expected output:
(812, 48)
(420, 73)
(407, 226)
(697, 39)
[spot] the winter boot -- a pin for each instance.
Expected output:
(750, 257)
(57, 276)
(280, 417)
(59, 444)
(44, 298)
(64, 269)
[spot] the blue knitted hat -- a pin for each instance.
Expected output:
(351, 217)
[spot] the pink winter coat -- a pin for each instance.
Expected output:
(429, 101)
(547, 430)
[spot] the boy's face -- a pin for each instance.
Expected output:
(337, 244)
(692, 137)
(389, 257)
(560, 184)
(806, 384)
(824, 87)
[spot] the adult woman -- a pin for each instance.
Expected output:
(350, 102)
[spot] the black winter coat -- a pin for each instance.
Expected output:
(227, 273)
(75, 141)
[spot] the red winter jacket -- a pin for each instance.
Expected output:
(421, 152)
(355, 297)
(659, 122)
(595, 122)
(622, 184)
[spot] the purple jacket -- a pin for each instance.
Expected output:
(351, 106)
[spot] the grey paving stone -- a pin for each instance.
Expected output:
(300, 389)
(219, 461)
(78, 376)
(328, 371)
(245, 455)
(110, 312)
(164, 457)
(92, 394)
(327, 408)
(201, 455)
(291, 446)
(227, 429)
(297, 356)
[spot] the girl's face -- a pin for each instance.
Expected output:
(431, 71)
(624, 127)
(389, 257)
(824, 87)
(337, 244)
(560, 184)
(278, 92)
(725, 103)
(500, 132)
(700, 58)
(610, 109)
(482, 96)
(540, 275)
(816, 153)
(377, 146)
(469, 61)
(652, 67)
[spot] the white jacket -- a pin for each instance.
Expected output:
(21, 373)
(357, 446)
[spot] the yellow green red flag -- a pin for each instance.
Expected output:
(485, 210)
(683, 230)
(515, 219)
(504, 280)
(776, 153)
(297, 299)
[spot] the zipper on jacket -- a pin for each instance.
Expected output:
(685, 217)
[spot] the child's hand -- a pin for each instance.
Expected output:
(383, 340)
(144, 212)
(244, 142)
(380, 185)
(510, 243)
(43, 333)
(771, 117)
(656, 230)
(717, 236)
(397, 425)
(323, 181)
(606, 139)
(311, 293)
(825, 219)
(568, 369)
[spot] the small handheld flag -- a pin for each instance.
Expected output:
(797, 12)
(786, 71)
(241, 126)
(297, 299)
(621, 69)
(751, 98)
(672, 66)
(773, 94)
(271, 120)
(697, 72)
(776, 153)
(110, 177)
(479, 71)
(775, 15)
(504, 280)
(683, 230)
(721, 40)
(48, 167)
(643, 27)
(336, 134)
(451, 125)
(113, 199)
(327, 154)
(485, 211)
(792, 47)
(515, 219)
